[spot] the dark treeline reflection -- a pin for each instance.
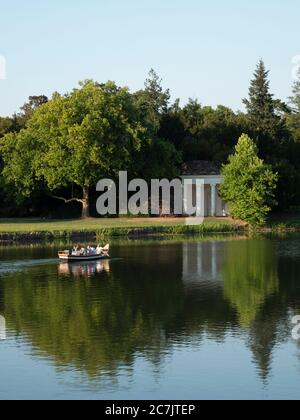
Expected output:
(100, 316)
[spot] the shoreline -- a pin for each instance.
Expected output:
(118, 232)
(31, 231)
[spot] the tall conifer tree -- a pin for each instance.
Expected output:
(265, 123)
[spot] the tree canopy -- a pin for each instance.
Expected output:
(75, 139)
(62, 145)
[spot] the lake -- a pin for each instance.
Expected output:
(174, 319)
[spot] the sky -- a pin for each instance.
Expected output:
(201, 49)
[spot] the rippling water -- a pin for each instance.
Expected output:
(163, 320)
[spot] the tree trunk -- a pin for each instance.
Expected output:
(85, 203)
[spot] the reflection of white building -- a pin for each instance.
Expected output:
(202, 261)
(2, 328)
(211, 175)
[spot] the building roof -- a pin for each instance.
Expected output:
(200, 167)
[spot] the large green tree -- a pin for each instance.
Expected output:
(249, 184)
(75, 139)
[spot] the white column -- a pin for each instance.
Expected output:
(213, 199)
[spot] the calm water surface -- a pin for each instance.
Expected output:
(164, 320)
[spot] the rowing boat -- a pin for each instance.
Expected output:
(66, 256)
(73, 256)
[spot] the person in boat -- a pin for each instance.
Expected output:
(75, 250)
(91, 250)
(81, 250)
(102, 251)
(99, 250)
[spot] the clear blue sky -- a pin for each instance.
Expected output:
(202, 49)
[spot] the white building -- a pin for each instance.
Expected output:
(210, 174)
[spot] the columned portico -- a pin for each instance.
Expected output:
(208, 175)
(213, 205)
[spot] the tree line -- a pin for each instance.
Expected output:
(55, 150)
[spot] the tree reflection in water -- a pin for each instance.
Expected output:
(250, 277)
(155, 297)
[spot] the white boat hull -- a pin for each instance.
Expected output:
(71, 258)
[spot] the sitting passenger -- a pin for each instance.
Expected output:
(76, 250)
(99, 250)
(104, 252)
(90, 250)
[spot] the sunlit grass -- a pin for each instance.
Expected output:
(78, 225)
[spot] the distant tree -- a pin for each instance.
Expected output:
(192, 116)
(287, 193)
(158, 158)
(172, 126)
(294, 117)
(264, 112)
(152, 102)
(295, 98)
(249, 184)
(18, 121)
(29, 107)
(75, 139)
(208, 133)
(6, 125)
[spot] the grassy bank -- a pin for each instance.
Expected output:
(284, 223)
(23, 229)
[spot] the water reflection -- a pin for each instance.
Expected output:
(83, 269)
(250, 277)
(201, 261)
(245, 275)
(2, 328)
(156, 298)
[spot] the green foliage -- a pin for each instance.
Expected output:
(250, 277)
(27, 110)
(249, 184)
(295, 98)
(5, 126)
(293, 119)
(158, 159)
(99, 322)
(77, 138)
(67, 144)
(203, 133)
(266, 121)
(152, 102)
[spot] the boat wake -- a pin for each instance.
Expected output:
(15, 266)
